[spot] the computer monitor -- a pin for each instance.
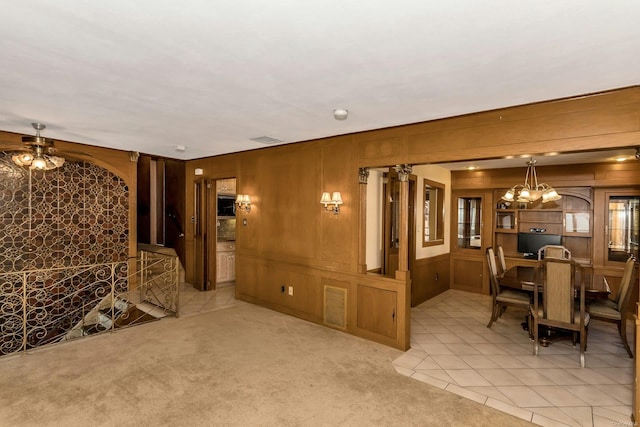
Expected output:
(530, 243)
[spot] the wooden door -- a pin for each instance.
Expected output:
(204, 211)
(470, 236)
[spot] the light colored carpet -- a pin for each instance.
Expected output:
(243, 365)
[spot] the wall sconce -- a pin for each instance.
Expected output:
(244, 202)
(331, 203)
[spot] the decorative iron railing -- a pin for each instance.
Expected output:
(40, 307)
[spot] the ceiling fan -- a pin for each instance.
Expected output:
(40, 151)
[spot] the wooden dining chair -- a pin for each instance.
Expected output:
(502, 298)
(554, 251)
(502, 264)
(615, 310)
(555, 280)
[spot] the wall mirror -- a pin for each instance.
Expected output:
(433, 213)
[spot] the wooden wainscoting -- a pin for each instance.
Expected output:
(430, 277)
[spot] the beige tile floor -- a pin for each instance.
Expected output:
(451, 348)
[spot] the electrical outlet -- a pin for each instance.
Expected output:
(291, 291)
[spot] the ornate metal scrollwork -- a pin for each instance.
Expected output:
(60, 231)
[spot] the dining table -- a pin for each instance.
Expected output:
(522, 277)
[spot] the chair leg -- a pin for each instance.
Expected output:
(535, 338)
(586, 335)
(583, 346)
(622, 327)
(502, 310)
(493, 315)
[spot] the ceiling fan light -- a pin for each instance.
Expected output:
(57, 161)
(22, 159)
(39, 163)
(37, 158)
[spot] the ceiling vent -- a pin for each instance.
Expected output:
(266, 140)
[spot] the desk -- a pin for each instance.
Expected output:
(521, 277)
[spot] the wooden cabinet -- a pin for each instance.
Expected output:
(377, 310)
(467, 273)
(225, 262)
(570, 217)
(471, 234)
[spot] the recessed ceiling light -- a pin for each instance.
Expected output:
(621, 159)
(340, 113)
(470, 168)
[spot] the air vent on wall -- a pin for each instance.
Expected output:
(266, 140)
(335, 307)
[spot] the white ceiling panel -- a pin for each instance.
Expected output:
(211, 75)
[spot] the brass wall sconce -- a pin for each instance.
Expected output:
(331, 201)
(244, 202)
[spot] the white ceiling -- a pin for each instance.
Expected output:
(151, 75)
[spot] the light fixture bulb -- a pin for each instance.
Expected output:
(39, 163)
(325, 199)
(509, 195)
(336, 198)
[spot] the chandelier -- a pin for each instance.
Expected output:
(531, 190)
(38, 159)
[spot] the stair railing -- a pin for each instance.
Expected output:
(45, 306)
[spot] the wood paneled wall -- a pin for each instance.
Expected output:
(429, 277)
(289, 241)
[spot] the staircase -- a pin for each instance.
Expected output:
(45, 306)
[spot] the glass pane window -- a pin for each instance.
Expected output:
(469, 221)
(623, 227)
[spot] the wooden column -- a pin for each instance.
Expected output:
(363, 176)
(402, 273)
